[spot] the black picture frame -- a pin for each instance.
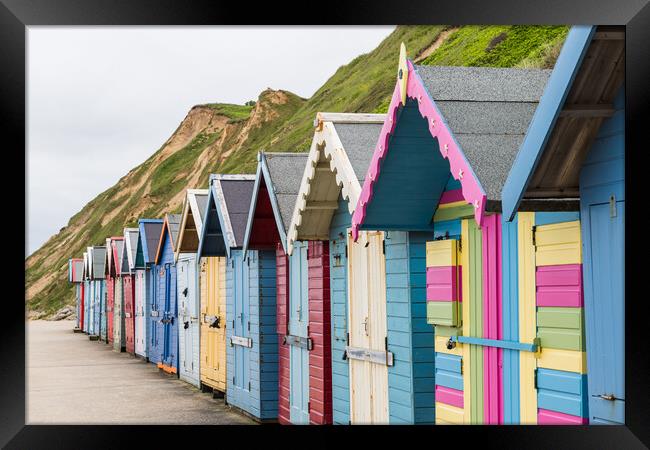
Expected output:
(16, 15)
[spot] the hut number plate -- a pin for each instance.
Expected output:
(243, 341)
(154, 313)
(373, 356)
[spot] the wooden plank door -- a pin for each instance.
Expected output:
(298, 326)
(182, 282)
(603, 224)
(241, 328)
(367, 327)
(192, 314)
(218, 286)
(167, 330)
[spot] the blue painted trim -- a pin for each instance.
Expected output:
(510, 283)
(512, 345)
(251, 209)
(550, 217)
(206, 221)
(541, 127)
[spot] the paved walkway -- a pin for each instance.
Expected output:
(72, 380)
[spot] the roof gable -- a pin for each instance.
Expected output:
(277, 183)
(169, 230)
(148, 238)
(131, 242)
(191, 225)
(463, 122)
(117, 244)
(342, 145)
(581, 95)
(98, 255)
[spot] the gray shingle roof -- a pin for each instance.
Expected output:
(152, 231)
(202, 203)
(359, 141)
(99, 266)
(174, 221)
(286, 171)
(238, 194)
(488, 110)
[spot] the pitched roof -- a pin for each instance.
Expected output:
(277, 182)
(98, 255)
(488, 110)
(171, 225)
(118, 250)
(131, 243)
(337, 162)
(191, 225)
(232, 194)
(149, 236)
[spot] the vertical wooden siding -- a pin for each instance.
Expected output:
(338, 295)
(411, 382)
(320, 357)
(282, 311)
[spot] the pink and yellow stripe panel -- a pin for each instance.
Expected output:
(443, 282)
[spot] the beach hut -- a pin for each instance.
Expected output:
(572, 264)
(98, 287)
(252, 346)
(362, 352)
(211, 252)
(119, 338)
(128, 286)
(148, 236)
(91, 296)
(188, 290)
(75, 275)
(504, 297)
(87, 301)
(110, 289)
(165, 295)
(302, 287)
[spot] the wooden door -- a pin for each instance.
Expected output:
(604, 245)
(298, 325)
(213, 322)
(367, 327)
(241, 289)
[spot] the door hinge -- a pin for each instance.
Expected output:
(346, 251)
(249, 385)
(308, 407)
(460, 245)
(535, 379)
(347, 338)
(233, 380)
(534, 232)
(249, 325)
(383, 246)
(386, 343)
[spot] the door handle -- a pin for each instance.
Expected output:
(365, 326)
(609, 397)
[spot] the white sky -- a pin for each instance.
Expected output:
(103, 99)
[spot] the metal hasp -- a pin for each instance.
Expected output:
(242, 341)
(373, 356)
(298, 341)
(534, 347)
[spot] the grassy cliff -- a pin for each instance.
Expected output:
(225, 138)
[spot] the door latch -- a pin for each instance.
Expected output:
(215, 323)
(612, 206)
(185, 292)
(186, 325)
(365, 326)
(609, 397)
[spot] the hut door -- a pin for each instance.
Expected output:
(184, 314)
(156, 275)
(167, 329)
(298, 323)
(603, 225)
(241, 379)
(367, 327)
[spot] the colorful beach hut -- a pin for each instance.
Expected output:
(361, 351)
(302, 292)
(571, 266)
(98, 315)
(128, 286)
(211, 251)
(252, 346)
(75, 276)
(119, 337)
(165, 298)
(145, 322)
(110, 289)
(509, 339)
(188, 289)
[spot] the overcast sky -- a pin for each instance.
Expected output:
(101, 100)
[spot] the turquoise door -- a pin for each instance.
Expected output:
(241, 328)
(298, 322)
(602, 214)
